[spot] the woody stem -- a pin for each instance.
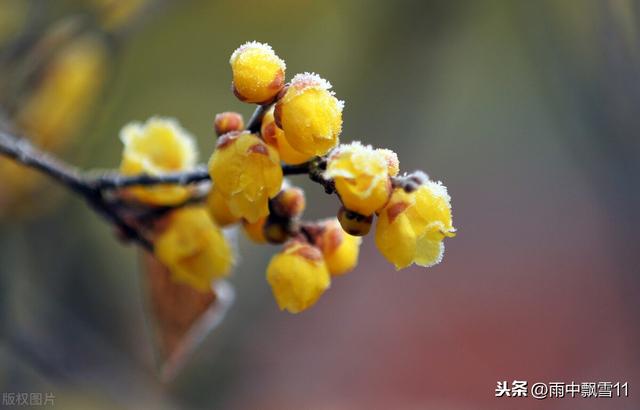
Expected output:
(94, 186)
(20, 150)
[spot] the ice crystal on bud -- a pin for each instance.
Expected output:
(306, 79)
(265, 47)
(310, 115)
(258, 73)
(393, 164)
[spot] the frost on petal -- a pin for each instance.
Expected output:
(439, 190)
(264, 47)
(393, 164)
(310, 80)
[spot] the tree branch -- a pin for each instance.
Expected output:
(93, 187)
(69, 176)
(22, 151)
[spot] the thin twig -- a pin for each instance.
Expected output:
(69, 176)
(256, 118)
(114, 180)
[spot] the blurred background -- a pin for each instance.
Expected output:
(527, 111)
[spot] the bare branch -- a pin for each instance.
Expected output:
(22, 151)
(69, 176)
(256, 118)
(94, 188)
(114, 180)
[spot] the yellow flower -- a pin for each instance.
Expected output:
(275, 137)
(340, 250)
(219, 209)
(193, 248)
(65, 93)
(246, 171)
(258, 73)
(298, 276)
(157, 147)
(412, 226)
(310, 115)
(361, 176)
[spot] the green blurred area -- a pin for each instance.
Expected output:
(526, 110)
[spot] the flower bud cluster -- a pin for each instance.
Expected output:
(296, 128)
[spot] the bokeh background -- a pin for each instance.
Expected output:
(527, 111)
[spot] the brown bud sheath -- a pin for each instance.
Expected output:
(289, 203)
(354, 223)
(228, 121)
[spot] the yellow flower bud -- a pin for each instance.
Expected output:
(412, 226)
(219, 209)
(258, 73)
(193, 248)
(340, 250)
(228, 122)
(353, 223)
(246, 171)
(157, 147)
(298, 276)
(255, 230)
(275, 137)
(310, 115)
(361, 176)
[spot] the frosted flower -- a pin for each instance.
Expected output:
(361, 176)
(412, 226)
(157, 147)
(193, 248)
(246, 172)
(310, 115)
(298, 276)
